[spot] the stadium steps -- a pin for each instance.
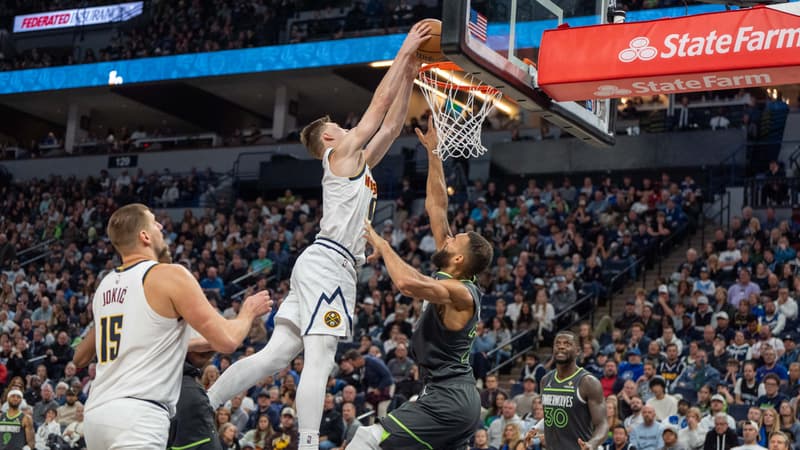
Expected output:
(668, 264)
(676, 257)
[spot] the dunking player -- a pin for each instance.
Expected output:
(316, 312)
(447, 411)
(16, 428)
(141, 314)
(574, 407)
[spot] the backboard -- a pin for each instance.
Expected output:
(498, 41)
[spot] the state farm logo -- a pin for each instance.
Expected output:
(610, 90)
(639, 49)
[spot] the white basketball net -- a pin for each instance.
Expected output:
(457, 116)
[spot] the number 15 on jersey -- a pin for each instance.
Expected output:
(110, 335)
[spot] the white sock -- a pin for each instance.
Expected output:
(367, 438)
(282, 347)
(320, 351)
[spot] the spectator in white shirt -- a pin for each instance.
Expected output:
(787, 305)
(664, 404)
(729, 257)
(750, 430)
(718, 405)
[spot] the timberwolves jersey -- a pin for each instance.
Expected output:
(12, 436)
(346, 203)
(566, 414)
(442, 353)
(139, 352)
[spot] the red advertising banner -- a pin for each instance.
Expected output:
(759, 46)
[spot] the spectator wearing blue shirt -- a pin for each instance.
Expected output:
(212, 282)
(771, 366)
(632, 369)
(375, 376)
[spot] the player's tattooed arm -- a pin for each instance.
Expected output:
(414, 284)
(592, 391)
(30, 436)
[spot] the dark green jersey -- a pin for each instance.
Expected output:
(12, 435)
(566, 414)
(439, 352)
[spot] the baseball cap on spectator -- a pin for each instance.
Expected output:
(704, 269)
(481, 200)
(718, 398)
(246, 444)
(722, 315)
(263, 393)
(633, 352)
(538, 282)
(288, 411)
(630, 301)
(369, 301)
(788, 336)
(702, 300)
(663, 289)
(530, 378)
(72, 392)
(669, 428)
(561, 279)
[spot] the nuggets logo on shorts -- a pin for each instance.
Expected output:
(332, 319)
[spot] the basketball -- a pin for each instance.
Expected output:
(431, 50)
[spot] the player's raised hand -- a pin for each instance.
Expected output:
(429, 139)
(419, 33)
(374, 239)
(258, 304)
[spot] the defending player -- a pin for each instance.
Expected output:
(141, 314)
(317, 311)
(447, 411)
(574, 407)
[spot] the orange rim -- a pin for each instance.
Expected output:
(445, 85)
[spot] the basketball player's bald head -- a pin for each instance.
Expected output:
(565, 347)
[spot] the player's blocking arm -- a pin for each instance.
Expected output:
(384, 94)
(592, 391)
(436, 188)
(395, 119)
(414, 284)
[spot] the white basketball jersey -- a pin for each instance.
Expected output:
(346, 203)
(140, 353)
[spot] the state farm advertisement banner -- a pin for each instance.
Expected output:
(734, 49)
(67, 18)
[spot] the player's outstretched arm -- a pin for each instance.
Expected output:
(86, 350)
(395, 119)
(189, 302)
(436, 188)
(414, 284)
(592, 391)
(382, 99)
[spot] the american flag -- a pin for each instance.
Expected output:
(477, 25)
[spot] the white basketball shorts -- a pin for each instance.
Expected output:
(322, 293)
(126, 423)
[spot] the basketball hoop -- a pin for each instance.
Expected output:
(458, 118)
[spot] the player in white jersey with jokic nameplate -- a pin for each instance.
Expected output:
(141, 337)
(318, 309)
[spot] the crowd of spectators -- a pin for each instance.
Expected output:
(170, 28)
(553, 245)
